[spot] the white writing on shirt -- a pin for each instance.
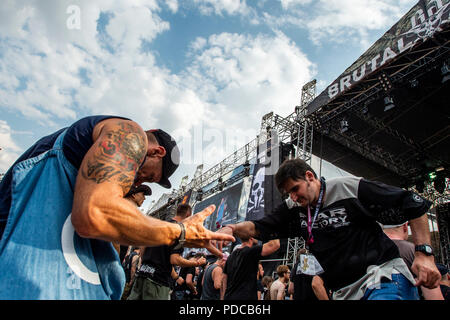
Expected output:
(335, 218)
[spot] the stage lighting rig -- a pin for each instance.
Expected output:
(199, 196)
(445, 72)
(388, 103)
(246, 168)
(385, 82)
(365, 109)
(440, 180)
(343, 125)
(316, 122)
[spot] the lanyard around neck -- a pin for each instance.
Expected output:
(316, 212)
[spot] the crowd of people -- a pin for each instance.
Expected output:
(70, 224)
(208, 280)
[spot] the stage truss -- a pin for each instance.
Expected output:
(298, 128)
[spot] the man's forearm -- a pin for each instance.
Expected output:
(178, 260)
(244, 229)
(118, 220)
(420, 230)
(319, 289)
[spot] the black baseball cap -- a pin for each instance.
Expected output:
(171, 160)
(443, 270)
(142, 188)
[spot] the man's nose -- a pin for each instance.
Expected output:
(293, 196)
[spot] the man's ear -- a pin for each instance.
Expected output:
(156, 151)
(405, 227)
(309, 176)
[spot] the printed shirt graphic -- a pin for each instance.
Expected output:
(347, 237)
(308, 265)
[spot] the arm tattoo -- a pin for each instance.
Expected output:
(117, 155)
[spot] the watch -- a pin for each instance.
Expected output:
(425, 249)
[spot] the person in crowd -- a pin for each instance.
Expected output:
(320, 290)
(239, 274)
(338, 217)
(445, 280)
(198, 274)
(155, 273)
(75, 180)
(277, 290)
(399, 235)
(302, 275)
(131, 264)
(212, 279)
(136, 195)
(187, 290)
(201, 274)
(259, 276)
(267, 283)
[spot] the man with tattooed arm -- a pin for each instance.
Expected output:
(62, 206)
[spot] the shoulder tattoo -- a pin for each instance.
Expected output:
(117, 156)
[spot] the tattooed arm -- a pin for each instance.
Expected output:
(106, 174)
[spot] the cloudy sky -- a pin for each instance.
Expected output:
(205, 71)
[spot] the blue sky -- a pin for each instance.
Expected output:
(206, 71)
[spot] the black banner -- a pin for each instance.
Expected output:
(420, 24)
(227, 206)
(255, 206)
(264, 195)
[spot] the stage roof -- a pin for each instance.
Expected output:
(401, 145)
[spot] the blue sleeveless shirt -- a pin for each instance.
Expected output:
(41, 255)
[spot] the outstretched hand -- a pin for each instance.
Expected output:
(223, 243)
(426, 271)
(197, 236)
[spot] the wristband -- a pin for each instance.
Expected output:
(182, 239)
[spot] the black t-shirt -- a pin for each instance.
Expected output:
(347, 237)
(445, 291)
(156, 263)
(184, 271)
(241, 269)
(129, 265)
(77, 142)
(302, 285)
(259, 286)
(199, 286)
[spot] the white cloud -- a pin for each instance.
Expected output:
(336, 17)
(50, 73)
(340, 21)
(9, 151)
(286, 4)
(42, 54)
(231, 7)
(130, 26)
(252, 71)
(172, 5)
(244, 77)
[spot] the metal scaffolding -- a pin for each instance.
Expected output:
(295, 128)
(304, 151)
